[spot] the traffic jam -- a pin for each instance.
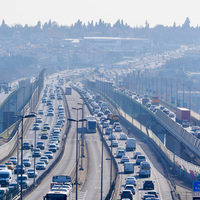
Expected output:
(132, 162)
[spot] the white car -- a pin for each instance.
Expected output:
(112, 137)
(123, 136)
(131, 181)
(135, 154)
(114, 143)
(124, 159)
(118, 129)
(108, 131)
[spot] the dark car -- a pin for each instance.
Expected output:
(166, 111)
(148, 184)
(19, 169)
(126, 194)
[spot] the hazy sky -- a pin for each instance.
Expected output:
(134, 12)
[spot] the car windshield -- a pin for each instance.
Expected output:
(4, 175)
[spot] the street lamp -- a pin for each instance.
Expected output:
(82, 136)
(73, 120)
(22, 117)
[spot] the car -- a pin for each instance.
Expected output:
(126, 194)
(96, 111)
(3, 167)
(152, 107)
(131, 181)
(155, 109)
(124, 159)
(46, 126)
(148, 105)
(41, 165)
(13, 159)
(25, 180)
(56, 137)
(44, 136)
(152, 192)
(100, 114)
(26, 146)
(171, 115)
(40, 145)
(38, 120)
(49, 102)
(10, 165)
(18, 168)
(51, 107)
(31, 173)
(162, 107)
(53, 148)
(135, 97)
(13, 185)
(130, 187)
(116, 124)
(195, 128)
(135, 154)
(114, 143)
(36, 126)
(40, 112)
(112, 136)
(147, 196)
(44, 159)
(48, 154)
(166, 111)
(106, 112)
(118, 129)
(50, 113)
(36, 152)
(108, 131)
(120, 153)
(44, 100)
(140, 158)
(105, 124)
(123, 136)
(148, 184)
(26, 162)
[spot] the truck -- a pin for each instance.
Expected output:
(128, 167)
(60, 188)
(68, 90)
(155, 100)
(113, 118)
(183, 116)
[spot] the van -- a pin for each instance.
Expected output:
(5, 178)
(128, 167)
(145, 169)
(140, 158)
(130, 144)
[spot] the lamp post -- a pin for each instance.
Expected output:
(69, 119)
(176, 92)
(102, 161)
(22, 117)
(82, 135)
(190, 95)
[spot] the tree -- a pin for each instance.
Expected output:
(146, 25)
(186, 23)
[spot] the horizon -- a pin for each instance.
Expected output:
(134, 13)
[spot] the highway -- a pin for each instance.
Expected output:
(91, 188)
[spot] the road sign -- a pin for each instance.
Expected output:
(196, 186)
(196, 194)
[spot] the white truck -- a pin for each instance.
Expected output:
(128, 167)
(130, 144)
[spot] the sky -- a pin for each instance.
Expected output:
(132, 12)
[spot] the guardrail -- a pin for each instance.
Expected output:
(115, 182)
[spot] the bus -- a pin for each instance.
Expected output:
(91, 124)
(145, 169)
(68, 90)
(59, 193)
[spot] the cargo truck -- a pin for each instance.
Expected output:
(183, 116)
(155, 100)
